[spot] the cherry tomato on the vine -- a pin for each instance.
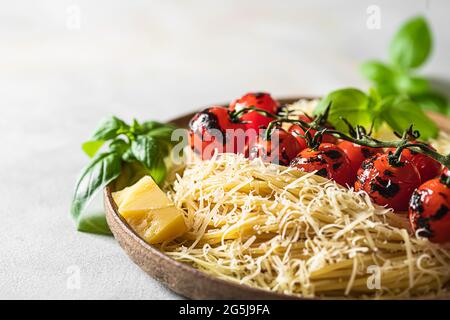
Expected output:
(357, 154)
(328, 160)
(388, 184)
(298, 132)
(213, 129)
(279, 149)
(255, 120)
(427, 167)
(429, 210)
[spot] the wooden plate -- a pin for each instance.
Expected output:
(182, 278)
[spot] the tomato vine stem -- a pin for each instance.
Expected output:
(364, 139)
(234, 115)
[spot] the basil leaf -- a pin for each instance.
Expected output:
(151, 125)
(374, 99)
(103, 169)
(159, 171)
(109, 128)
(94, 223)
(375, 107)
(412, 44)
(401, 112)
(145, 149)
(91, 147)
(128, 156)
(162, 133)
(411, 85)
(131, 173)
(163, 136)
(433, 101)
(386, 88)
(351, 104)
(119, 146)
(377, 72)
(151, 154)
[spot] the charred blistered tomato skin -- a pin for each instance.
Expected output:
(428, 168)
(213, 129)
(429, 211)
(298, 132)
(387, 184)
(357, 154)
(328, 160)
(260, 100)
(281, 148)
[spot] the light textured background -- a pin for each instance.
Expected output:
(150, 60)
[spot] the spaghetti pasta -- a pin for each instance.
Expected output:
(291, 232)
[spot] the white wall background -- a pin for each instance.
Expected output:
(150, 60)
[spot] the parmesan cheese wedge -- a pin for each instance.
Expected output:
(150, 212)
(135, 201)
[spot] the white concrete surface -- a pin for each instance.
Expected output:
(150, 60)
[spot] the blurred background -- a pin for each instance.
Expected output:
(65, 64)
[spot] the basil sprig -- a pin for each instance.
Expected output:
(131, 152)
(399, 96)
(409, 49)
(359, 108)
(350, 103)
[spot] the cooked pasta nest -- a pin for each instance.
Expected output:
(291, 232)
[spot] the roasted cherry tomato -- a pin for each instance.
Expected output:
(427, 167)
(281, 148)
(329, 161)
(357, 154)
(261, 100)
(445, 172)
(388, 184)
(429, 210)
(298, 132)
(213, 129)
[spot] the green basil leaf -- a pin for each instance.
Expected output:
(412, 44)
(94, 223)
(374, 99)
(103, 169)
(159, 171)
(146, 149)
(401, 112)
(377, 72)
(136, 127)
(128, 156)
(130, 174)
(119, 146)
(411, 85)
(150, 153)
(433, 101)
(162, 133)
(109, 128)
(386, 89)
(375, 107)
(351, 104)
(91, 147)
(151, 125)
